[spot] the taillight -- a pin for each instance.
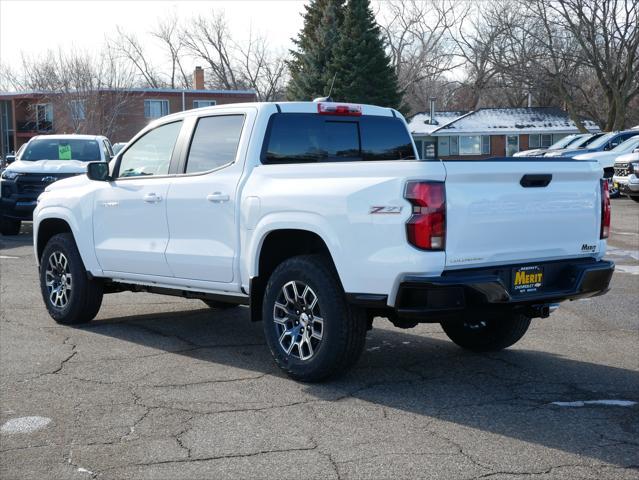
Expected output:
(426, 228)
(345, 109)
(605, 210)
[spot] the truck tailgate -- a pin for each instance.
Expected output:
(500, 212)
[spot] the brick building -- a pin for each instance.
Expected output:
(117, 113)
(490, 132)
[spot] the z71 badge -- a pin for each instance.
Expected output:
(385, 210)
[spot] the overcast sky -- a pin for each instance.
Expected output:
(35, 26)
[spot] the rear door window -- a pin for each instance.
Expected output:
(303, 138)
(214, 142)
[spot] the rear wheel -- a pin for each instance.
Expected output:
(71, 297)
(9, 226)
(312, 332)
(488, 334)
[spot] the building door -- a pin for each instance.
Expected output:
(512, 145)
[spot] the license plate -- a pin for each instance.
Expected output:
(528, 279)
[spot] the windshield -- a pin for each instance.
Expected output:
(564, 142)
(61, 149)
(601, 141)
(627, 146)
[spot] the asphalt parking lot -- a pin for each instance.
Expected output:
(164, 388)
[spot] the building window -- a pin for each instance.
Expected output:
(156, 108)
(204, 103)
(44, 116)
(512, 145)
(78, 110)
(558, 136)
(443, 146)
(543, 140)
(485, 145)
(470, 145)
(454, 145)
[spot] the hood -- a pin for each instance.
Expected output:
(70, 182)
(567, 152)
(605, 159)
(628, 157)
(48, 166)
(529, 153)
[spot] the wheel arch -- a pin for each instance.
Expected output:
(47, 228)
(274, 247)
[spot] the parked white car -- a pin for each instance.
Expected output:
(626, 177)
(320, 217)
(608, 158)
(41, 161)
(561, 143)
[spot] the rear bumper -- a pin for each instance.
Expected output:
(457, 290)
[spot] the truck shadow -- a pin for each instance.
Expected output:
(508, 393)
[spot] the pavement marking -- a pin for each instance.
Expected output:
(6, 257)
(623, 253)
(625, 233)
(84, 470)
(25, 424)
(631, 269)
(608, 403)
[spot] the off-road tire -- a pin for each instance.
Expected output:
(9, 226)
(343, 326)
(488, 334)
(85, 296)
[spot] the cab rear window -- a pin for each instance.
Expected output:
(312, 138)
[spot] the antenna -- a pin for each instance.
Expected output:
(328, 97)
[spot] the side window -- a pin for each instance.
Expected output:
(151, 154)
(214, 142)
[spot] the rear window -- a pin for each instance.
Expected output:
(308, 137)
(56, 149)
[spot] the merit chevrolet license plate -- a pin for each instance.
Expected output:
(528, 279)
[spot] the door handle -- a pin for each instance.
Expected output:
(217, 197)
(532, 180)
(152, 198)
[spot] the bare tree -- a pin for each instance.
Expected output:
(607, 33)
(128, 47)
(235, 65)
(417, 36)
(208, 39)
(170, 37)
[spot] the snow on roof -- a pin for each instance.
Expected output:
(488, 121)
(420, 122)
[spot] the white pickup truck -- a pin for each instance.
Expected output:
(320, 217)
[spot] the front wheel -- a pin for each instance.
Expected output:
(71, 297)
(312, 332)
(9, 226)
(488, 334)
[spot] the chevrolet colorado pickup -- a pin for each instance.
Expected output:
(40, 162)
(320, 217)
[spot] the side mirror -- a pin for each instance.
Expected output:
(636, 150)
(98, 171)
(9, 159)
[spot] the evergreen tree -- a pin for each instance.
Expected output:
(363, 69)
(310, 64)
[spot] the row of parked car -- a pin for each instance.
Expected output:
(617, 153)
(46, 159)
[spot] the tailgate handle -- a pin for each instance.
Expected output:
(535, 180)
